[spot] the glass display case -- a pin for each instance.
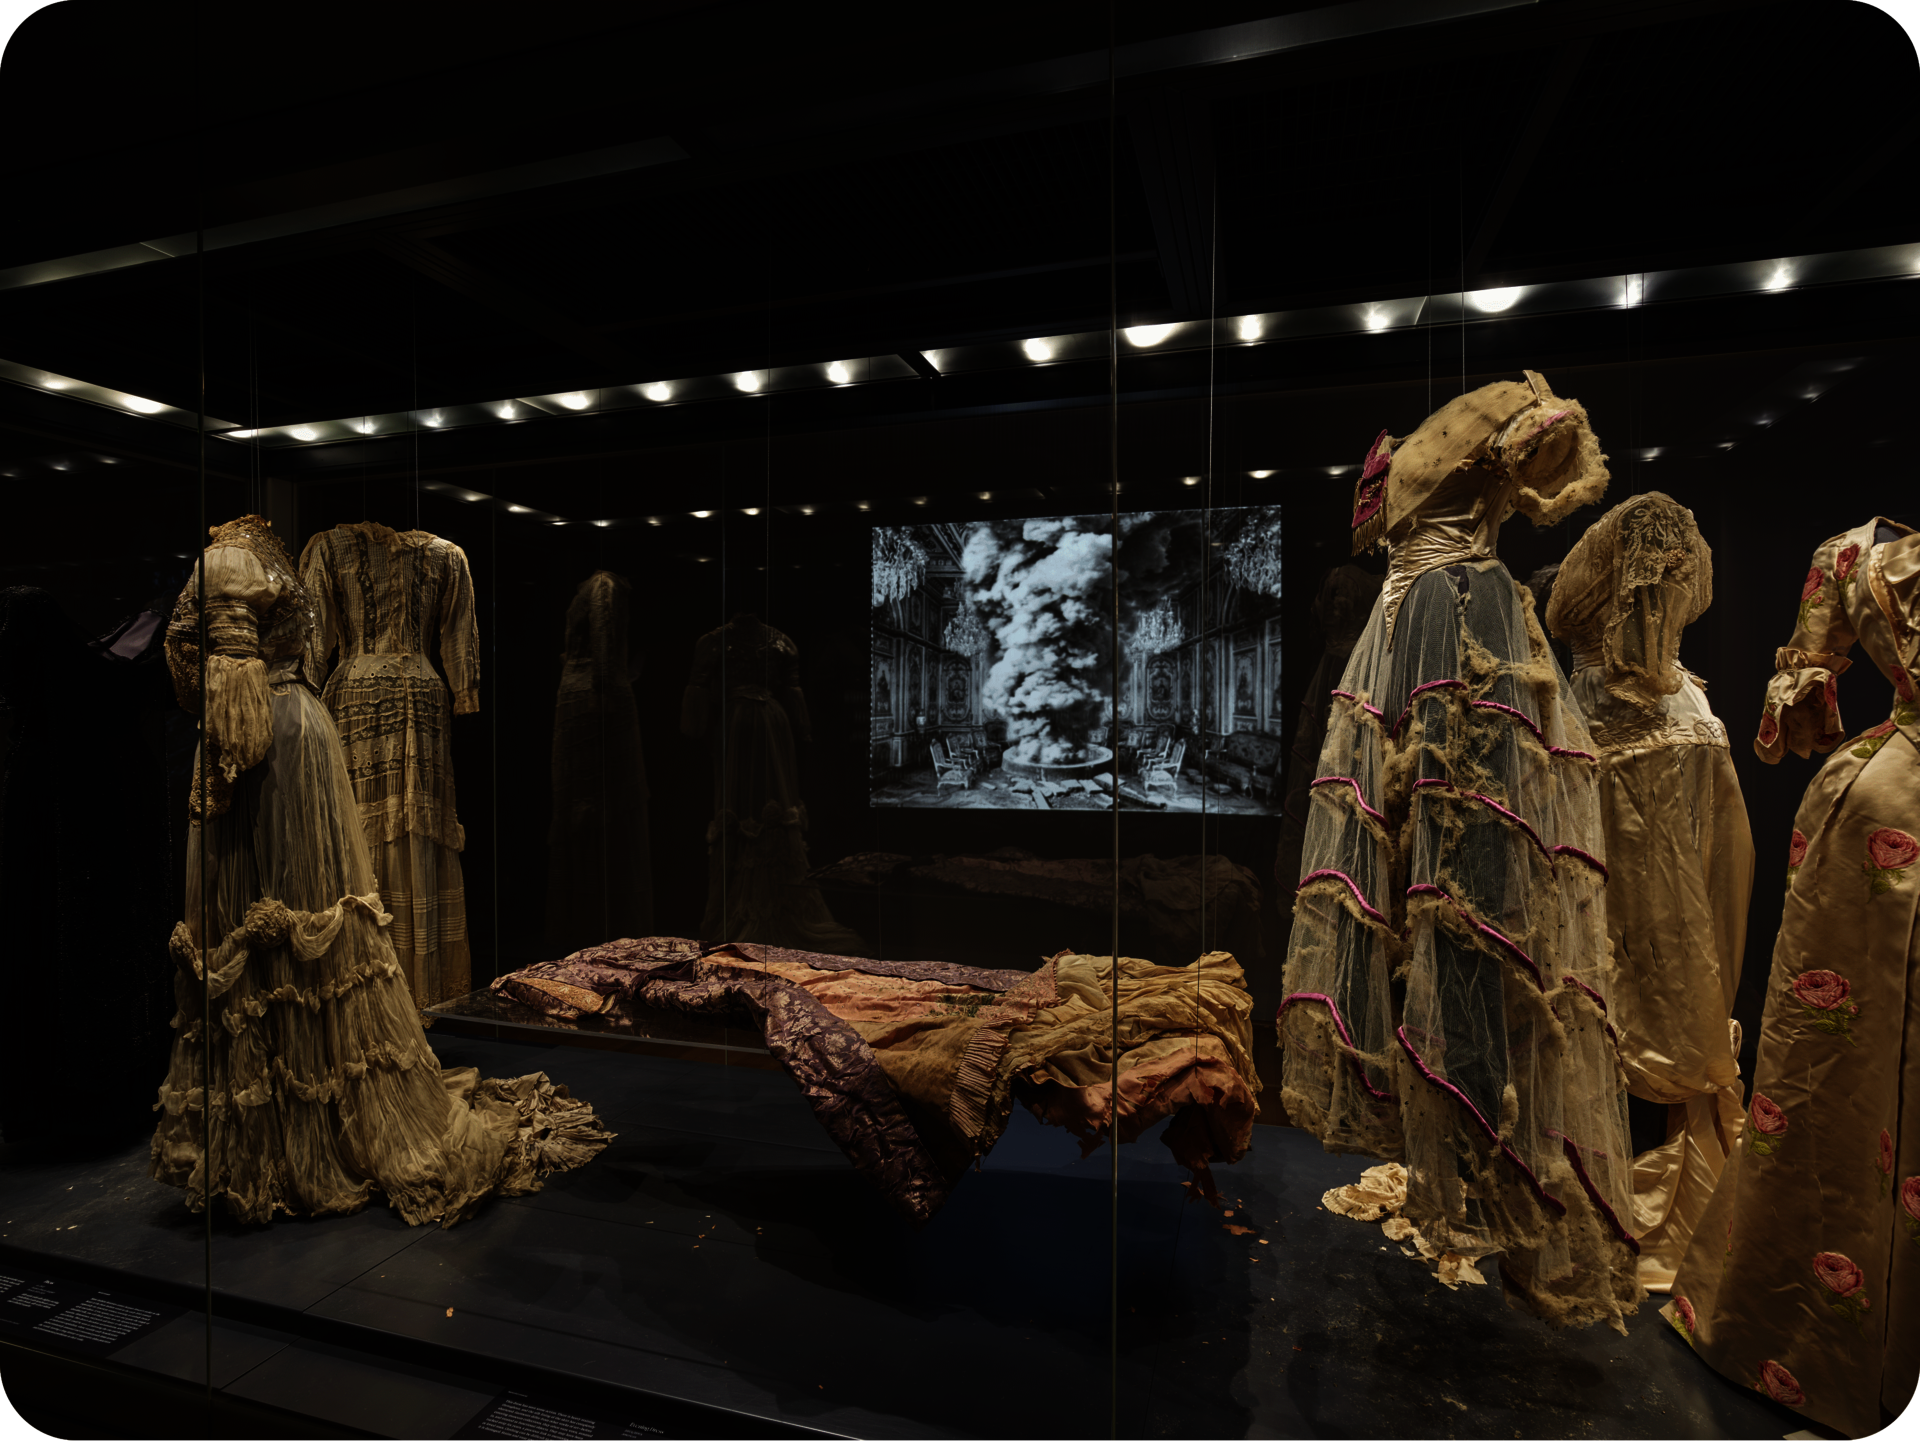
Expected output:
(718, 717)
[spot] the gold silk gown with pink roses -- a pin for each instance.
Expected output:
(1803, 1277)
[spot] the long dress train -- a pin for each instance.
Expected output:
(304, 1083)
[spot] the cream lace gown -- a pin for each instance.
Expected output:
(1803, 1277)
(1444, 1003)
(1678, 844)
(382, 598)
(302, 1082)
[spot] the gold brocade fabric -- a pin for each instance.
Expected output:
(383, 598)
(1802, 1279)
(1678, 844)
(300, 1081)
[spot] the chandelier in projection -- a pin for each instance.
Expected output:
(899, 563)
(1159, 629)
(1253, 559)
(965, 633)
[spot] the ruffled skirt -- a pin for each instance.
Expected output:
(1446, 976)
(301, 1080)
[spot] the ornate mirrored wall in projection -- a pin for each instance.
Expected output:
(1010, 671)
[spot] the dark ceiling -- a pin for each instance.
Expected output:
(863, 181)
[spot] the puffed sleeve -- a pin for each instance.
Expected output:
(1802, 710)
(460, 636)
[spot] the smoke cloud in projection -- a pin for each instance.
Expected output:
(1046, 590)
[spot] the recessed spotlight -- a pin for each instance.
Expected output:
(507, 411)
(659, 390)
(1496, 300)
(701, 514)
(576, 401)
(1037, 349)
(864, 505)
(603, 524)
(520, 509)
(703, 559)
(838, 373)
(1145, 335)
(751, 510)
(748, 380)
(1190, 480)
(304, 432)
(1636, 290)
(1260, 474)
(142, 406)
(241, 434)
(808, 509)
(919, 500)
(1781, 278)
(432, 422)
(109, 460)
(984, 495)
(1376, 320)
(655, 520)
(1251, 327)
(365, 427)
(54, 382)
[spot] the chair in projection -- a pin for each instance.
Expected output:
(1163, 770)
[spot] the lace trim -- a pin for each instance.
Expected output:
(1426, 888)
(1372, 710)
(1553, 1203)
(1358, 899)
(1346, 1037)
(1359, 796)
(1550, 852)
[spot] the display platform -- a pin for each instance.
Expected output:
(723, 1252)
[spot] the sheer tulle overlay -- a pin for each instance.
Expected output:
(305, 1084)
(1449, 942)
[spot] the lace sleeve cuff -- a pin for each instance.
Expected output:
(239, 718)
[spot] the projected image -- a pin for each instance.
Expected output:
(993, 682)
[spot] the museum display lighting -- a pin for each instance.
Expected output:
(1146, 335)
(658, 391)
(1159, 629)
(1037, 349)
(1492, 302)
(1781, 278)
(1260, 474)
(1251, 327)
(304, 432)
(1253, 560)
(899, 563)
(748, 380)
(575, 401)
(140, 405)
(965, 634)
(839, 374)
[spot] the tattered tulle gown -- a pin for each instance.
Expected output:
(1445, 979)
(308, 1052)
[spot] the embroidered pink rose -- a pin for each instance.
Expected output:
(1815, 579)
(1830, 694)
(1837, 1273)
(1824, 1003)
(1892, 850)
(1844, 562)
(1777, 1381)
(1840, 1275)
(1685, 1308)
(1796, 850)
(1769, 1125)
(1769, 729)
(1889, 853)
(1823, 990)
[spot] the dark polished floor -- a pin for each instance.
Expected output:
(722, 1252)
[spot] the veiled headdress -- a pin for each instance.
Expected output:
(1639, 577)
(1518, 427)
